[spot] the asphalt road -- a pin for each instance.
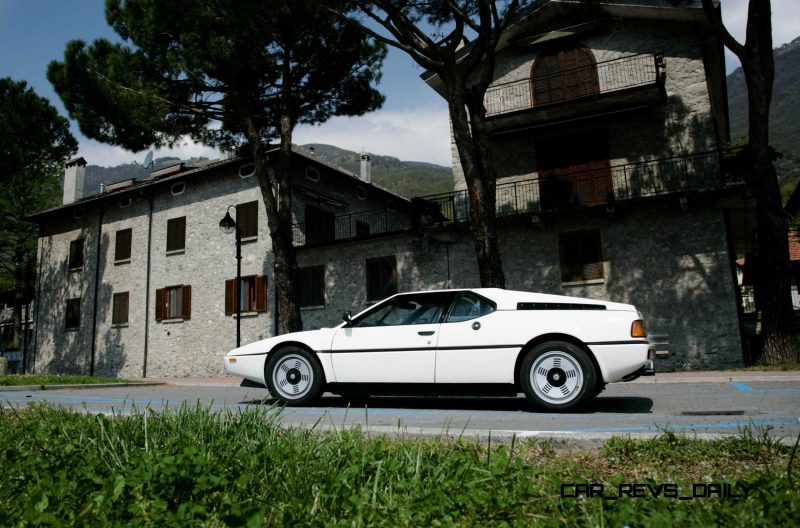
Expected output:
(705, 409)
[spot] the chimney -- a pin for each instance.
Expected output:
(74, 175)
(366, 175)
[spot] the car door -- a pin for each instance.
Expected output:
(474, 346)
(393, 343)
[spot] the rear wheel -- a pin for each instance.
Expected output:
(294, 376)
(558, 376)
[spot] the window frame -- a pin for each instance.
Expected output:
(308, 296)
(256, 297)
(124, 259)
(182, 299)
(116, 309)
(395, 300)
(567, 242)
(77, 254)
(72, 314)
(375, 296)
(479, 298)
(172, 232)
(249, 218)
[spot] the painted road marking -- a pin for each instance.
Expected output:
(747, 388)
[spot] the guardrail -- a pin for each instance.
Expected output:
(576, 83)
(556, 190)
(352, 226)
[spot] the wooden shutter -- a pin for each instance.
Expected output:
(261, 293)
(230, 297)
(176, 234)
(122, 251)
(161, 298)
(247, 219)
(187, 302)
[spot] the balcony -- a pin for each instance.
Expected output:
(600, 185)
(627, 82)
(351, 227)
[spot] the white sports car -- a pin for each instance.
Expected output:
(560, 351)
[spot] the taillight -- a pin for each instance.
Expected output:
(637, 329)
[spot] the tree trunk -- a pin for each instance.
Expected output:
(773, 280)
(773, 283)
(279, 220)
(471, 140)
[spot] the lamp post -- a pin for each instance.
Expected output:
(228, 225)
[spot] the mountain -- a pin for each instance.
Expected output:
(406, 178)
(95, 174)
(784, 124)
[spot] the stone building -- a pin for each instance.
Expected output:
(140, 280)
(609, 134)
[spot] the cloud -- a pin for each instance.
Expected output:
(411, 134)
(96, 153)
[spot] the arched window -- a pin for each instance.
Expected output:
(563, 74)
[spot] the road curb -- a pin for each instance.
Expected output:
(559, 440)
(33, 388)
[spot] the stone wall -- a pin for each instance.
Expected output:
(194, 346)
(672, 264)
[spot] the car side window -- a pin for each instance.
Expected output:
(407, 310)
(469, 306)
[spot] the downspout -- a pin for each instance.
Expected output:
(40, 248)
(96, 287)
(147, 283)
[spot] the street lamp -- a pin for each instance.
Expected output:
(228, 225)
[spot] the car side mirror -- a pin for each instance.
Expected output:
(347, 317)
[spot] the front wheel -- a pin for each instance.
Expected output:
(558, 376)
(294, 376)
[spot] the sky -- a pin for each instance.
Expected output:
(412, 125)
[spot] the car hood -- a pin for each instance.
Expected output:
(317, 340)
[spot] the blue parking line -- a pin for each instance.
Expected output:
(747, 388)
(669, 427)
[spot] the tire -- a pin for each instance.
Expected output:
(558, 376)
(294, 376)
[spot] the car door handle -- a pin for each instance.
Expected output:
(426, 333)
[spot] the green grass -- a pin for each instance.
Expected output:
(193, 467)
(43, 379)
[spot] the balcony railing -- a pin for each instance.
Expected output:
(554, 190)
(603, 184)
(568, 85)
(352, 226)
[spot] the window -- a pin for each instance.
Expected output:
(176, 234)
(320, 225)
(469, 306)
(564, 74)
(381, 278)
(362, 228)
(416, 309)
(574, 170)
(75, 254)
(252, 294)
(312, 174)
(247, 219)
(581, 256)
(72, 321)
(174, 302)
(122, 247)
(119, 314)
(312, 286)
(247, 170)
